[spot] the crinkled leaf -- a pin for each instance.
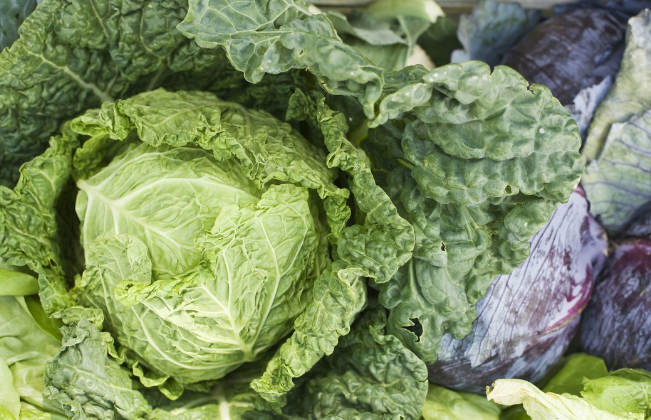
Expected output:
(339, 294)
(628, 96)
(544, 406)
(29, 235)
(382, 241)
(623, 391)
(375, 247)
(491, 29)
(86, 383)
(478, 171)
(76, 54)
(281, 35)
(370, 376)
(617, 181)
(445, 404)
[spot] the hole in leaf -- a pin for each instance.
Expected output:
(417, 328)
(508, 189)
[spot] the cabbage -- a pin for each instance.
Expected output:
(222, 203)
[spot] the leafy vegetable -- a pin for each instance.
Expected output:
(492, 29)
(211, 239)
(28, 339)
(595, 38)
(544, 406)
(621, 394)
(619, 137)
(472, 200)
(105, 52)
(387, 31)
(528, 318)
(617, 181)
(445, 404)
(624, 99)
(567, 379)
(614, 323)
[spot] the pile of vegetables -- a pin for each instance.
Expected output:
(261, 210)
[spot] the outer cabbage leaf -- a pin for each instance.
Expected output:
(626, 98)
(12, 14)
(612, 324)
(477, 166)
(371, 375)
(492, 29)
(544, 406)
(15, 282)
(281, 35)
(616, 181)
(528, 318)
(29, 235)
(375, 247)
(9, 397)
(445, 404)
(28, 339)
(86, 383)
(76, 54)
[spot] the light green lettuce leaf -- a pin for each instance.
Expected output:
(76, 54)
(627, 97)
(477, 166)
(545, 406)
(492, 29)
(12, 14)
(575, 370)
(86, 383)
(567, 379)
(445, 404)
(28, 339)
(9, 397)
(17, 283)
(623, 391)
